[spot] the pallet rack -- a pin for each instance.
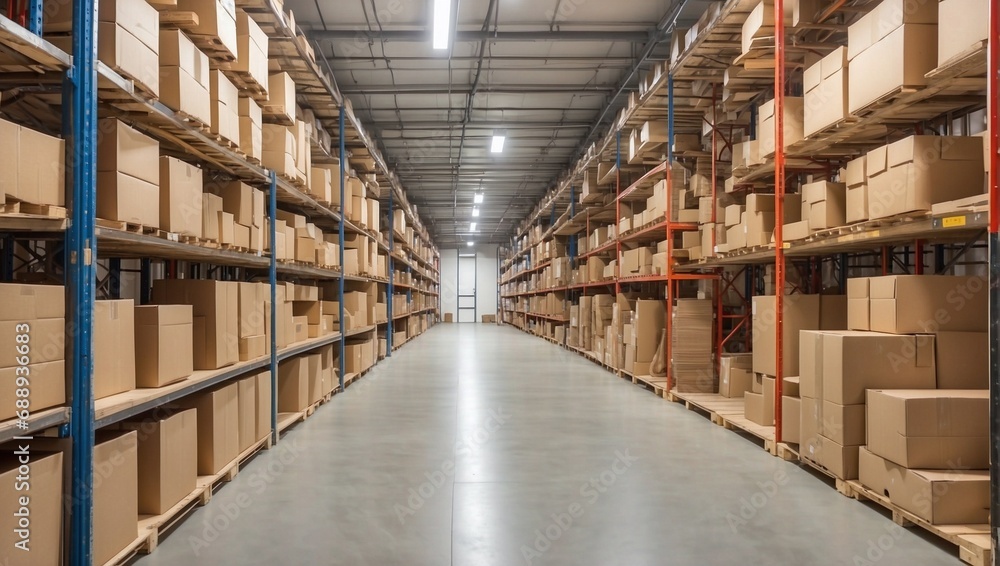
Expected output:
(90, 86)
(942, 236)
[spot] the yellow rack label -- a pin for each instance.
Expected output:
(953, 221)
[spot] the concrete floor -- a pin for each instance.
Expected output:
(479, 445)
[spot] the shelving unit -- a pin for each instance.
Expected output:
(86, 242)
(701, 92)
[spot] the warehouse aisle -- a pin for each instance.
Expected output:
(479, 445)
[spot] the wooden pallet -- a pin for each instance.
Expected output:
(153, 527)
(173, 19)
(842, 486)
(973, 541)
(126, 226)
(727, 413)
(213, 47)
(27, 209)
(658, 385)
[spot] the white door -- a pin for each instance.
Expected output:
(467, 287)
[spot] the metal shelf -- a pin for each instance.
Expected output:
(37, 422)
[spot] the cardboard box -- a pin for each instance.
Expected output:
(935, 430)
(225, 100)
(735, 382)
(826, 92)
(211, 208)
(791, 417)
(833, 312)
(857, 204)
(116, 494)
(938, 497)
(293, 385)
(901, 58)
(167, 460)
(796, 231)
(239, 199)
(962, 360)
(180, 197)
(858, 304)
(217, 20)
(46, 510)
(127, 199)
(263, 404)
(128, 174)
(281, 96)
(827, 204)
(801, 312)
(114, 347)
(184, 80)
(855, 361)
(251, 128)
(962, 25)
(917, 172)
(793, 126)
(902, 304)
(164, 341)
(216, 317)
(32, 165)
(843, 424)
(840, 460)
(247, 412)
(218, 427)
(251, 45)
(43, 308)
(128, 55)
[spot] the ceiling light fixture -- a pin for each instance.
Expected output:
(499, 137)
(470, 244)
(478, 199)
(442, 23)
(472, 227)
(475, 211)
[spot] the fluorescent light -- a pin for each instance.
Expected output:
(475, 211)
(479, 198)
(470, 244)
(472, 227)
(499, 137)
(442, 23)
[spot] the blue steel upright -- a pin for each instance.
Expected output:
(272, 276)
(391, 326)
(81, 254)
(343, 207)
(35, 17)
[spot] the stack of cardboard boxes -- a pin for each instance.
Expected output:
(692, 362)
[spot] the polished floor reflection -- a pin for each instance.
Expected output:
(479, 445)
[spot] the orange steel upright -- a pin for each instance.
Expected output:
(779, 193)
(993, 106)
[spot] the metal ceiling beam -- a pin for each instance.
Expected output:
(509, 125)
(605, 61)
(466, 90)
(477, 36)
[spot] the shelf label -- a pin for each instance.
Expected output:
(953, 222)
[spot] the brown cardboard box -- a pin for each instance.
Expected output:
(239, 199)
(225, 106)
(827, 204)
(791, 417)
(211, 207)
(218, 427)
(251, 128)
(796, 231)
(962, 360)
(247, 412)
(45, 510)
(356, 303)
(227, 229)
(116, 493)
(840, 460)
(794, 111)
(32, 165)
(833, 312)
(122, 149)
(293, 385)
(127, 54)
(735, 382)
(217, 20)
(810, 417)
(856, 361)
(180, 197)
(184, 81)
(300, 326)
(843, 424)
(962, 25)
(942, 429)
(826, 92)
(216, 317)
(263, 404)
(42, 307)
(938, 497)
(279, 150)
(801, 312)
(858, 303)
(928, 303)
(114, 347)
(648, 321)
(791, 386)
(251, 44)
(901, 58)
(314, 369)
(251, 305)
(759, 407)
(167, 460)
(281, 95)
(857, 204)
(917, 172)
(164, 342)
(127, 199)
